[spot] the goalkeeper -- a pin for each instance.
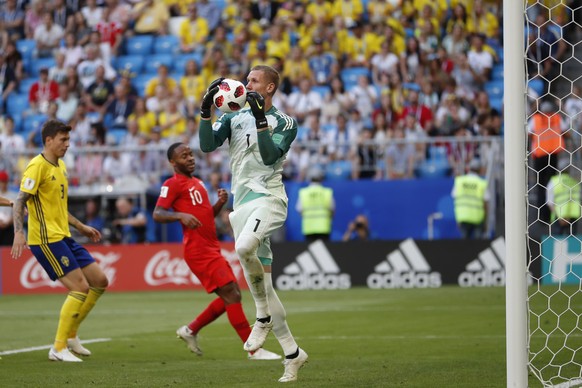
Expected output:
(259, 139)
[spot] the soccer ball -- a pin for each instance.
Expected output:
(231, 96)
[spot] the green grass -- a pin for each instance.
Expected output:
(448, 337)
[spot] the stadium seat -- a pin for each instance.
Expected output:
(537, 85)
(115, 136)
(497, 73)
(494, 88)
(153, 61)
(25, 85)
(168, 44)
(322, 90)
(139, 45)
(432, 169)
(17, 104)
(496, 103)
(351, 74)
(338, 170)
(140, 83)
(32, 123)
(39, 63)
(134, 63)
(180, 61)
(26, 48)
(17, 123)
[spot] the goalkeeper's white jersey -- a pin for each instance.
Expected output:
(249, 172)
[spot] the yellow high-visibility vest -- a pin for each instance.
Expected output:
(316, 202)
(469, 193)
(566, 197)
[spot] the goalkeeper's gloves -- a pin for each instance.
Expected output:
(208, 99)
(257, 104)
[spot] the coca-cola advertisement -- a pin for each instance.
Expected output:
(128, 268)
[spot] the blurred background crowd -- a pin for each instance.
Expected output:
(381, 89)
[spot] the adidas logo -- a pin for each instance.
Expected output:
(488, 269)
(238, 126)
(405, 267)
(314, 269)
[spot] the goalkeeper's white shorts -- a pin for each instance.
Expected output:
(260, 217)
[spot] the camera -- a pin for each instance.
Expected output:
(360, 225)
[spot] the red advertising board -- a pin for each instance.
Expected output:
(128, 268)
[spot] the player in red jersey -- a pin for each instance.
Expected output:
(188, 198)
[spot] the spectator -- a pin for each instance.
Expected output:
(66, 104)
(323, 64)
(451, 115)
(471, 197)
(119, 108)
(6, 226)
(89, 167)
(9, 139)
(335, 102)
(73, 83)
(365, 96)
(400, 157)
(366, 161)
(92, 13)
(87, 69)
(42, 92)
(145, 119)
(210, 12)
(316, 205)
(264, 11)
(13, 19)
(48, 36)
(99, 92)
(110, 31)
(80, 28)
(221, 41)
(125, 77)
(33, 18)
(157, 102)
(465, 78)
(13, 59)
(118, 13)
(460, 151)
(81, 126)
(422, 112)
(411, 61)
(132, 137)
(458, 18)
(8, 83)
(480, 60)
(172, 121)
(296, 67)
(193, 31)
(161, 79)
(93, 216)
(62, 15)
(341, 141)
(129, 222)
(455, 42)
(150, 17)
(72, 51)
(303, 102)
(358, 229)
(58, 72)
(481, 21)
(384, 62)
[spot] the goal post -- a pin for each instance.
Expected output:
(515, 154)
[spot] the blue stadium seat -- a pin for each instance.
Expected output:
(351, 74)
(338, 170)
(26, 48)
(431, 169)
(496, 103)
(139, 45)
(153, 61)
(497, 73)
(537, 85)
(180, 61)
(39, 63)
(32, 123)
(494, 88)
(17, 123)
(140, 83)
(323, 90)
(133, 63)
(168, 44)
(115, 136)
(17, 103)
(25, 85)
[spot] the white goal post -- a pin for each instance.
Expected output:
(543, 187)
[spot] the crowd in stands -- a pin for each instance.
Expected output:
(367, 80)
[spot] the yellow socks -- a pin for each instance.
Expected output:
(69, 314)
(92, 296)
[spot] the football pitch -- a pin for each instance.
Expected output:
(447, 337)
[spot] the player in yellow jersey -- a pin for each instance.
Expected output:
(44, 190)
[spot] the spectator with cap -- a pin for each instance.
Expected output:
(42, 92)
(471, 197)
(7, 198)
(317, 207)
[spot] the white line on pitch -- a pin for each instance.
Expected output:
(568, 384)
(44, 347)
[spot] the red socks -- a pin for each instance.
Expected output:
(238, 320)
(213, 311)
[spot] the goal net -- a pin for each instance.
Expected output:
(553, 110)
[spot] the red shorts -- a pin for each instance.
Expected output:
(212, 274)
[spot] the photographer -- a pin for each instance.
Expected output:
(357, 229)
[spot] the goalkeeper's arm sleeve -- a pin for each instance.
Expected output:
(270, 153)
(208, 142)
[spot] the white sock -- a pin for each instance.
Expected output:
(246, 248)
(280, 327)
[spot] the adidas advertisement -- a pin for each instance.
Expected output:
(390, 264)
